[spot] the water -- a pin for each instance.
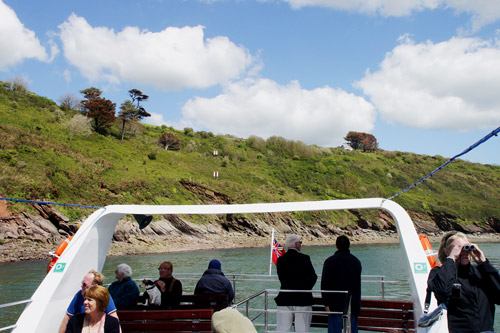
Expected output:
(19, 280)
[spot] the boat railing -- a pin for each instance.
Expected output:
(241, 282)
(8, 305)
(255, 313)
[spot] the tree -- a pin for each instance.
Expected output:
(138, 97)
(100, 109)
(169, 142)
(128, 111)
(365, 141)
(68, 101)
(131, 112)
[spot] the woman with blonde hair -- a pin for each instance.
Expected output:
(469, 292)
(94, 319)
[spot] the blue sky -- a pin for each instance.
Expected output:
(423, 76)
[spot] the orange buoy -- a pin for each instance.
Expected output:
(431, 255)
(59, 251)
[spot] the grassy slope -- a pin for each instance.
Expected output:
(40, 161)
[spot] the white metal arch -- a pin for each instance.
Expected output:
(90, 245)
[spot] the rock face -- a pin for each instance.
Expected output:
(24, 236)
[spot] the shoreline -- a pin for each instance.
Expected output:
(28, 250)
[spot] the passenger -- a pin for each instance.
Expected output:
(470, 292)
(94, 319)
(92, 278)
(342, 272)
(295, 271)
(170, 287)
(124, 291)
(214, 282)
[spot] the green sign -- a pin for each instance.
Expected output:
(59, 267)
(420, 267)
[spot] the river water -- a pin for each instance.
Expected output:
(19, 280)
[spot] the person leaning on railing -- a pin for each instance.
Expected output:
(470, 292)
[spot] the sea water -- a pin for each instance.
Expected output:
(19, 280)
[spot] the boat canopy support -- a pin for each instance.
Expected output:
(89, 248)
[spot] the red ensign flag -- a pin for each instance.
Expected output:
(278, 251)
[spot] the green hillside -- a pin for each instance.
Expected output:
(40, 159)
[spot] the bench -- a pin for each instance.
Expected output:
(188, 320)
(215, 302)
(376, 316)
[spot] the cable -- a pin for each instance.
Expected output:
(486, 138)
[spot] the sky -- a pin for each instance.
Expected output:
(422, 76)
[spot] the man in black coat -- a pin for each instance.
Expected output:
(295, 272)
(342, 272)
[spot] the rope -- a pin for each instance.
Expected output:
(486, 138)
(50, 203)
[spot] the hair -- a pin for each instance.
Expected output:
(169, 263)
(124, 270)
(447, 239)
(291, 240)
(98, 278)
(343, 242)
(101, 296)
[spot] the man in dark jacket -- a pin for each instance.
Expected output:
(124, 290)
(170, 287)
(214, 282)
(295, 272)
(342, 272)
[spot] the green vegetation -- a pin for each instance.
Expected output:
(43, 157)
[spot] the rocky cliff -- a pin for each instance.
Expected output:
(31, 236)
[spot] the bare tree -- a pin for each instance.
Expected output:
(68, 101)
(169, 142)
(17, 83)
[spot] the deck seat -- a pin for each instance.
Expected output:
(376, 316)
(187, 320)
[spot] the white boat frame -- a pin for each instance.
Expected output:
(89, 248)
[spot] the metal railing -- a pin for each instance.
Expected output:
(7, 305)
(244, 282)
(264, 312)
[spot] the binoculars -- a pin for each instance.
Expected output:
(469, 247)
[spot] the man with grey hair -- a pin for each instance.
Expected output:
(295, 272)
(124, 291)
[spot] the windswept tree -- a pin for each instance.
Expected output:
(169, 142)
(100, 109)
(138, 97)
(365, 141)
(133, 112)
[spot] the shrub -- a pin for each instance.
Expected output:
(79, 125)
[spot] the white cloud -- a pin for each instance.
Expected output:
(449, 85)
(482, 11)
(264, 108)
(17, 42)
(174, 58)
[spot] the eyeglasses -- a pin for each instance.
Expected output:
(164, 268)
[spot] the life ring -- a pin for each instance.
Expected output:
(57, 253)
(431, 255)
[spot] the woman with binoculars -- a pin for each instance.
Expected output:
(469, 292)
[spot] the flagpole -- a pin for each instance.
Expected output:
(271, 255)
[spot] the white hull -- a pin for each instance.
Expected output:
(90, 245)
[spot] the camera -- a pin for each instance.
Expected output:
(456, 290)
(469, 247)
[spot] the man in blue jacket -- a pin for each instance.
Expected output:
(124, 291)
(214, 282)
